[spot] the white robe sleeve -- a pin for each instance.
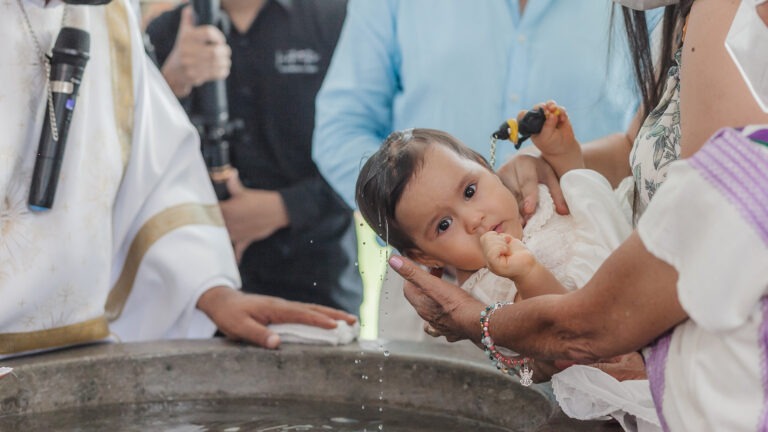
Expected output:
(166, 184)
(721, 261)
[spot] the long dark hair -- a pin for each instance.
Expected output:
(651, 76)
(385, 175)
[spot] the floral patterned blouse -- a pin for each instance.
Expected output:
(658, 142)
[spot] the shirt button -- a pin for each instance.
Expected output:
(514, 97)
(522, 38)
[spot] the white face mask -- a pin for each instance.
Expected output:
(747, 42)
(642, 5)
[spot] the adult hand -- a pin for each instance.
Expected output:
(556, 136)
(200, 54)
(251, 214)
(522, 175)
(448, 309)
(244, 317)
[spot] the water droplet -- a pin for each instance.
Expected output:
(381, 410)
(357, 361)
(362, 407)
(344, 420)
(386, 353)
(381, 426)
(314, 283)
(381, 381)
(365, 377)
(311, 241)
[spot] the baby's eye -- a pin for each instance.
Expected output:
(443, 225)
(469, 192)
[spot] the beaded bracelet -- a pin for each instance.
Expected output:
(507, 365)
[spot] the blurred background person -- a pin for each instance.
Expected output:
(293, 236)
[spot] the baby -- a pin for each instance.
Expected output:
(439, 203)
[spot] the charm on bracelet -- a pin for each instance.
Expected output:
(507, 365)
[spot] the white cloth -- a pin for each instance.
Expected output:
(713, 376)
(307, 334)
(747, 43)
(587, 393)
(57, 267)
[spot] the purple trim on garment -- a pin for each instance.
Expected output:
(738, 168)
(655, 366)
(760, 135)
(763, 342)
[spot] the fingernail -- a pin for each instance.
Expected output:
(273, 341)
(395, 262)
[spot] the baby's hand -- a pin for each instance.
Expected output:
(556, 136)
(556, 141)
(506, 256)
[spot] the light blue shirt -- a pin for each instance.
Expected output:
(465, 67)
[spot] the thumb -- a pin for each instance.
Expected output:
(187, 19)
(260, 335)
(240, 248)
(419, 281)
(234, 185)
(408, 270)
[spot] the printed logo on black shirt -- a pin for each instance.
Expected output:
(297, 61)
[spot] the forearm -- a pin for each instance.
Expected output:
(562, 163)
(609, 156)
(631, 300)
(538, 281)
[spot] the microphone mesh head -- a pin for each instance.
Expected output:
(72, 46)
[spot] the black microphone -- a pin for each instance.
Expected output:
(210, 112)
(70, 54)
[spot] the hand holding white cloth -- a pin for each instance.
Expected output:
(307, 334)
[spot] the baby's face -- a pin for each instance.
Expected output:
(448, 204)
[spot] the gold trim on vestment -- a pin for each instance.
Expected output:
(122, 74)
(73, 334)
(156, 227)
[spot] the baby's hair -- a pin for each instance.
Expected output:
(386, 174)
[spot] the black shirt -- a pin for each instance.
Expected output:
(277, 68)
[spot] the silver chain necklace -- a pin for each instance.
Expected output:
(46, 63)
